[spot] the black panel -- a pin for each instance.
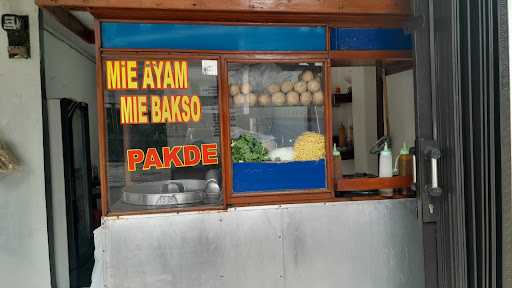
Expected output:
(79, 200)
(503, 151)
(430, 250)
(483, 80)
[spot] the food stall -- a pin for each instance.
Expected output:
(222, 125)
(220, 129)
(216, 156)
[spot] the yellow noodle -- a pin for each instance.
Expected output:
(309, 146)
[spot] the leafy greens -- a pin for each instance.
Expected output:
(247, 148)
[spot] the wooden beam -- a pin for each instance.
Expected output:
(368, 58)
(391, 7)
(374, 21)
(372, 54)
(400, 7)
(324, 6)
(74, 25)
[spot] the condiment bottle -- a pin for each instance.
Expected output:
(386, 167)
(405, 165)
(341, 136)
(338, 174)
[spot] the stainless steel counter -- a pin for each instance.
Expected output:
(346, 244)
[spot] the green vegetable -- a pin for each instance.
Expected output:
(247, 148)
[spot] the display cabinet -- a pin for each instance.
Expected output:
(278, 129)
(198, 116)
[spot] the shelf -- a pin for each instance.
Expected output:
(278, 107)
(375, 183)
(369, 57)
(337, 99)
(371, 197)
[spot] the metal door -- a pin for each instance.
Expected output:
(457, 83)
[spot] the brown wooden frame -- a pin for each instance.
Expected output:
(103, 163)
(223, 57)
(320, 9)
(258, 198)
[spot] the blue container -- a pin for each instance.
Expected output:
(212, 37)
(278, 176)
(370, 39)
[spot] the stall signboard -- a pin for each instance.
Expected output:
(148, 109)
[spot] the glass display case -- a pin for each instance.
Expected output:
(162, 133)
(193, 132)
(277, 118)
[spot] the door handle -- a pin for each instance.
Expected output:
(413, 153)
(433, 154)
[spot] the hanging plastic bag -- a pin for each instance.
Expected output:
(8, 162)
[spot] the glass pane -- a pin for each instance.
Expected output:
(277, 127)
(162, 132)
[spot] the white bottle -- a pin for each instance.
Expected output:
(386, 167)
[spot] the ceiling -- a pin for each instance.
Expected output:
(85, 17)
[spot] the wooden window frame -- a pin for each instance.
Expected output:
(102, 130)
(293, 196)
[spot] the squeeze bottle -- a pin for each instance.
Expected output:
(386, 167)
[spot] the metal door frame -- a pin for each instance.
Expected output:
(463, 106)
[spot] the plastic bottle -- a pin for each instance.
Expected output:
(351, 136)
(386, 167)
(337, 163)
(405, 165)
(342, 136)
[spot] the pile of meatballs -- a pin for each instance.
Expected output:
(306, 91)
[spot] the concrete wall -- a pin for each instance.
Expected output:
(340, 77)
(361, 113)
(401, 109)
(70, 72)
(24, 253)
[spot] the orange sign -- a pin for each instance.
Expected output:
(135, 109)
(177, 156)
(157, 74)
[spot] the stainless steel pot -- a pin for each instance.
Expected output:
(165, 193)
